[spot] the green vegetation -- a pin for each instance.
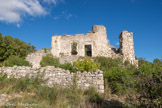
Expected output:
(32, 91)
(140, 85)
(68, 66)
(15, 60)
(13, 46)
(143, 83)
(74, 48)
(81, 65)
(117, 76)
(86, 65)
(10, 46)
(49, 60)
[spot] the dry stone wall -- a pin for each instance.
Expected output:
(60, 76)
(36, 57)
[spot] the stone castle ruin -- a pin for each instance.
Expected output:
(94, 44)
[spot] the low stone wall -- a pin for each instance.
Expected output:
(35, 57)
(60, 76)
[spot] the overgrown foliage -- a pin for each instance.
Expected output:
(68, 66)
(86, 65)
(117, 77)
(15, 60)
(13, 46)
(50, 60)
(74, 48)
(148, 85)
(47, 97)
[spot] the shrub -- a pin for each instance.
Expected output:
(15, 60)
(13, 46)
(107, 63)
(119, 79)
(149, 87)
(148, 78)
(49, 60)
(93, 95)
(68, 66)
(116, 74)
(86, 65)
(158, 61)
(74, 48)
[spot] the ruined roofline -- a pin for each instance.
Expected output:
(95, 29)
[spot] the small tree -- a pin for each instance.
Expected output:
(49, 60)
(86, 65)
(15, 60)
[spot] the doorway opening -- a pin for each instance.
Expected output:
(88, 50)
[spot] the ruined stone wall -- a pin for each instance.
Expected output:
(97, 39)
(99, 43)
(60, 76)
(36, 57)
(127, 47)
(62, 45)
(68, 59)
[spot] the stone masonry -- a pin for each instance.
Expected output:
(127, 47)
(97, 44)
(36, 57)
(58, 76)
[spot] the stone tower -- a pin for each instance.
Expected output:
(101, 43)
(100, 33)
(127, 47)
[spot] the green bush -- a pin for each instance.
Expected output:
(13, 46)
(86, 65)
(107, 63)
(119, 79)
(118, 76)
(15, 60)
(93, 95)
(74, 48)
(68, 66)
(149, 87)
(148, 78)
(49, 60)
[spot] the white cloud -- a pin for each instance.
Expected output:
(18, 25)
(63, 15)
(53, 1)
(12, 11)
(69, 16)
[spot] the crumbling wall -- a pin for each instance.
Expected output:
(97, 39)
(36, 57)
(58, 76)
(99, 43)
(127, 47)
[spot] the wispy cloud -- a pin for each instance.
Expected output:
(63, 15)
(13, 11)
(132, 1)
(18, 25)
(53, 1)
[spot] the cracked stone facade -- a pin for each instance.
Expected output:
(98, 43)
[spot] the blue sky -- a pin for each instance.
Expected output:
(36, 21)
